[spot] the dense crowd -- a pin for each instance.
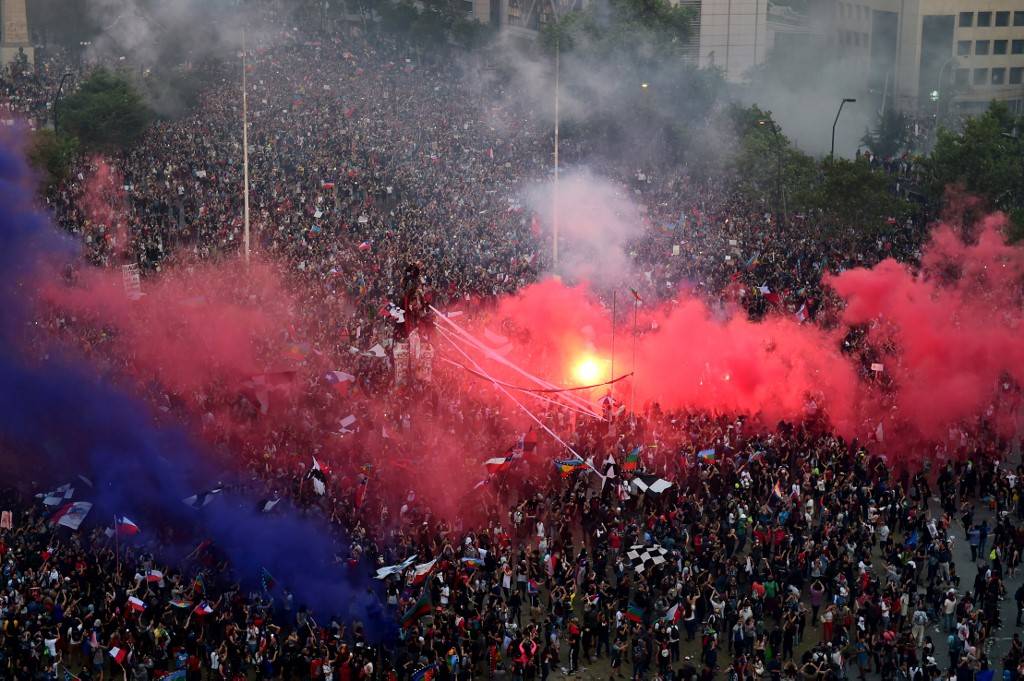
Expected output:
(789, 553)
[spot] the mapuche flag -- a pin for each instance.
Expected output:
(421, 608)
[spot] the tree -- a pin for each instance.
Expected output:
(106, 114)
(890, 136)
(52, 155)
(986, 158)
(755, 163)
(853, 194)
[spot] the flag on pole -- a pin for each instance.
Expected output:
(425, 673)
(801, 314)
(316, 474)
(339, 380)
(634, 613)
(125, 527)
(201, 499)
(119, 655)
(632, 461)
(707, 455)
(154, 576)
(530, 442)
(396, 569)
(777, 490)
(420, 572)
(267, 580)
(71, 514)
(136, 604)
(674, 614)
(567, 466)
(203, 609)
(498, 464)
(57, 496)
(360, 495)
(419, 609)
(267, 505)
(199, 584)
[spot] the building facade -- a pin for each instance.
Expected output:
(948, 54)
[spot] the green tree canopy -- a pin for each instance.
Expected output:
(52, 155)
(986, 158)
(890, 135)
(106, 113)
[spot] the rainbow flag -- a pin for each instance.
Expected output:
(472, 563)
(634, 613)
(567, 466)
(632, 461)
(420, 608)
(707, 455)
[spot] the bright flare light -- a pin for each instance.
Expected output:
(589, 370)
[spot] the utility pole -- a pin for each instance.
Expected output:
(245, 149)
(554, 228)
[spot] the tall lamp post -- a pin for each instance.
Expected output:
(56, 100)
(773, 126)
(938, 85)
(846, 100)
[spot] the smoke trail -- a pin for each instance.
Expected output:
(56, 414)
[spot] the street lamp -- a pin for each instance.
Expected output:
(773, 126)
(846, 100)
(56, 99)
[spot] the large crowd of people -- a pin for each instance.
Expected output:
(780, 552)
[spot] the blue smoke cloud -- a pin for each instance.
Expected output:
(56, 413)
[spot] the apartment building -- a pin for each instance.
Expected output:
(959, 54)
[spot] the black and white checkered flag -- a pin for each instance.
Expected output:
(645, 558)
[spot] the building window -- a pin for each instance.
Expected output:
(1018, 18)
(984, 19)
(1017, 47)
(1002, 18)
(981, 47)
(962, 76)
(998, 76)
(966, 19)
(998, 47)
(963, 48)
(981, 76)
(1016, 75)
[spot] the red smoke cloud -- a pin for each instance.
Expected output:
(688, 357)
(193, 327)
(956, 324)
(951, 334)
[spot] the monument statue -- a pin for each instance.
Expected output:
(14, 40)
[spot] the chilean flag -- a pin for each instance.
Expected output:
(119, 655)
(136, 604)
(339, 380)
(154, 576)
(498, 464)
(421, 571)
(203, 609)
(71, 514)
(126, 527)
